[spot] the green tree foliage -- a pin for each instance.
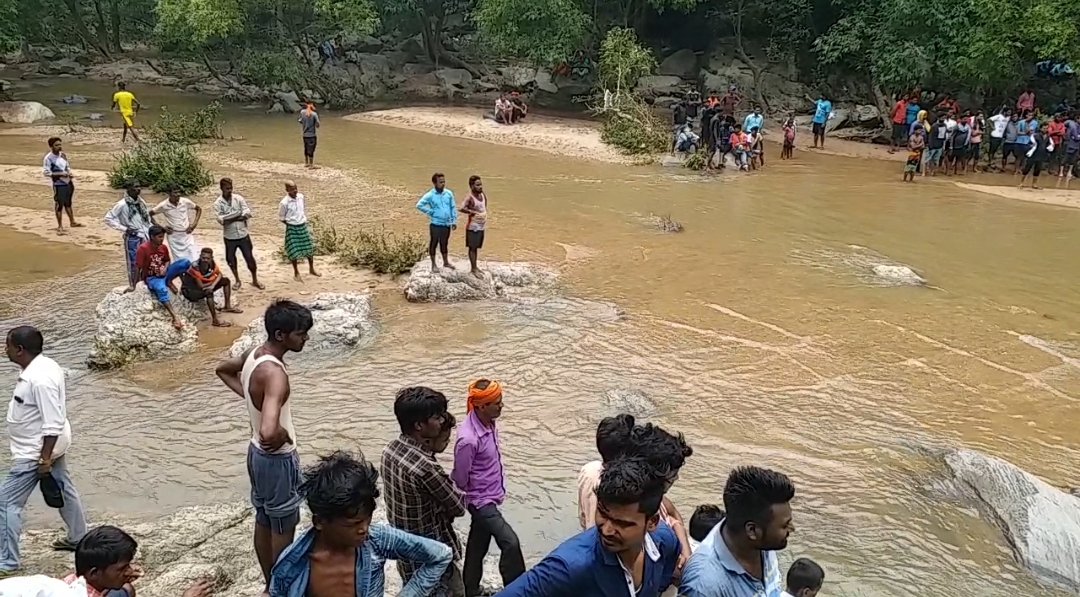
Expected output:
(159, 164)
(629, 123)
(543, 31)
(623, 60)
(193, 127)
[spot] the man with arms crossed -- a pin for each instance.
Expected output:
(260, 377)
(233, 214)
(40, 433)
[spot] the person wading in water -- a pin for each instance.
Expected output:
(475, 206)
(260, 377)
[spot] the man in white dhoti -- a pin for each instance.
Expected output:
(179, 224)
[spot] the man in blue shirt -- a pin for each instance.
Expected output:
(754, 120)
(629, 551)
(822, 113)
(438, 204)
(738, 557)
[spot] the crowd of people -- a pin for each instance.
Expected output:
(633, 536)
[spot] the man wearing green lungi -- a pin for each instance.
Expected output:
(298, 243)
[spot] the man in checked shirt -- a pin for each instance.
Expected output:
(420, 497)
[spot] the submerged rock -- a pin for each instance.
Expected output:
(202, 541)
(1040, 522)
(73, 99)
(24, 112)
(898, 274)
(454, 285)
(133, 327)
(340, 321)
(630, 401)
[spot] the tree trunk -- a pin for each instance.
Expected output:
(114, 15)
(743, 57)
(101, 29)
(81, 30)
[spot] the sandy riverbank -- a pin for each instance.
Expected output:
(560, 136)
(1059, 197)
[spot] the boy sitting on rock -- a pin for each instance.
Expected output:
(104, 560)
(202, 280)
(154, 267)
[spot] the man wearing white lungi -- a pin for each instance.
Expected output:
(179, 224)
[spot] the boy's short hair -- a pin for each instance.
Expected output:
(102, 547)
(804, 574)
(704, 519)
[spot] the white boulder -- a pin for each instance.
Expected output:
(202, 541)
(454, 285)
(24, 112)
(134, 327)
(1040, 522)
(340, 320)
(900, 275)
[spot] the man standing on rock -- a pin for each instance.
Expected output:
(420, 497)
(478, 472)
(179, 224)
(40, 434)
(57, 169)
(260, 378)
(439, 205)
(125, 101)
(309, 124)
(232, 213)
(475, 206)
(131, 217)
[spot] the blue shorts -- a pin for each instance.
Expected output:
(275, 488)
(159, 286)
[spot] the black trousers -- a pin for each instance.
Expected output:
(439, 236)
(488, 523)
(245, 248)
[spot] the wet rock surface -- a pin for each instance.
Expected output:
(134, 327)
(202, 541)
(341, 321)
(629, 400)
(24, 112)
(900, 275)
(1040, 522)
(455, 285)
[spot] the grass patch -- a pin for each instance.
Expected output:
(698, 160)
(192, 127)
(159, 164)
(382, 251)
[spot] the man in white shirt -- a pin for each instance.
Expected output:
(1000, 122)
(298, 243)
(39, 433)
(178, 224)
(131, 217)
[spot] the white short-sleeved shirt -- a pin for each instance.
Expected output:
(38, 408)
(178, 216)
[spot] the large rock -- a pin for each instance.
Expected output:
(544, 81)
(629, 400)
(660, 85)
(341, 320)
(203, 541)
(1040, 522)
(683, 63)
(454, 77)
(454, 285)
(24, 112)
(898, 275)
(289, 101)
(131, 71)
(866, 115)
(66, 66)
(134, 327)
(518, 76)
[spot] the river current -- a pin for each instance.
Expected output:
(759, 332)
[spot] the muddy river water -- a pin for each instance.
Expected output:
(758, 332)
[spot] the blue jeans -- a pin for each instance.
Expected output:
(159, 286)
(20, 483)
(131, 245)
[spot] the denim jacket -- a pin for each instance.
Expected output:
(289, 577)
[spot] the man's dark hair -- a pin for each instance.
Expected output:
(417, 404)
(448, 422)
(207, 251)
(28, 338)
(631, 480)
(156, 230)
(703, 520)
(751, 492)
(665, 452)
(172, 186)
(224, 180)
(54, 140)
(340, 486)
(613, 436)
(287, 317)
(472, 179)
(102, 547)
(804, 574)
(131, 183)
(435, 177)
(121, 85)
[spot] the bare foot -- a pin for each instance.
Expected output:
(314, 273)
(237, 284)
(232, 310)
(298, 278)
(222, 324)
(76, 225)
(476, 273)
(448, 265)
(258, 285)
(60, 230)
(176, 323)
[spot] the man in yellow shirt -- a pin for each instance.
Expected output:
(125, 101)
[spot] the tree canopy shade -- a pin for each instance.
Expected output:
(543, 31)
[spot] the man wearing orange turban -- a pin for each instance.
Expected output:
(478, 472)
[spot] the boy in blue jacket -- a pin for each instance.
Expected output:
(439, 205)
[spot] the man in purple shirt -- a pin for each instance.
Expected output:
(478, 472)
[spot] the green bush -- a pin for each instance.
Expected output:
(632, 127)
(176, 127)
(698, 160)
(159, 164)
(382, 252)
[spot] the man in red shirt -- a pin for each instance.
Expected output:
(899, 124)
(1055, 129)
(152, 266)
